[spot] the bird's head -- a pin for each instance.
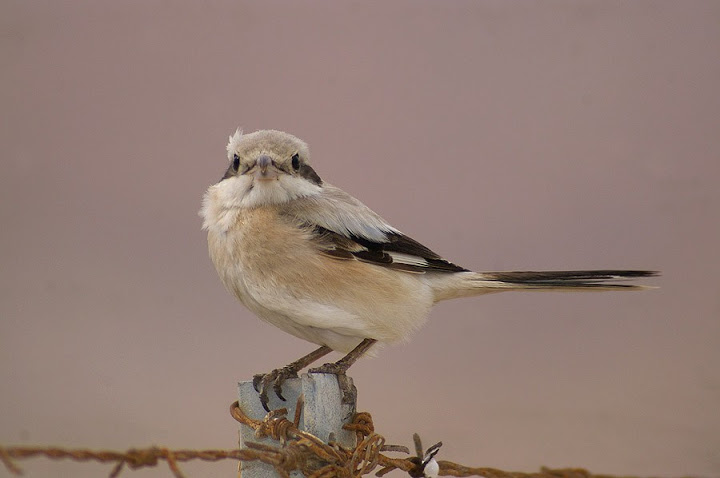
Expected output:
(267, 167)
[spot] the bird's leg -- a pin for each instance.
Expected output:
(340, 367)
(262, 381)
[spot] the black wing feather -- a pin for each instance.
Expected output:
(343, 247)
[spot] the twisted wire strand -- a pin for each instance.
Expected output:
(298, 450)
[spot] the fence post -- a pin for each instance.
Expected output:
(322, 414)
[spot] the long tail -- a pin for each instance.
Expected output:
(575, 280)
(474, 283)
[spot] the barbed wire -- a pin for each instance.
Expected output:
(298, 450)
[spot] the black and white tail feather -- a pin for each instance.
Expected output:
(564, 280)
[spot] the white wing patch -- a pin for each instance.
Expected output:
(400, 258)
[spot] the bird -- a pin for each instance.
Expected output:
(312, 260)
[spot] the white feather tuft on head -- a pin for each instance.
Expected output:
(233, 142)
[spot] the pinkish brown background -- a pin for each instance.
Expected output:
(504, 135)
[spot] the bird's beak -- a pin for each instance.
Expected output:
(265, 169)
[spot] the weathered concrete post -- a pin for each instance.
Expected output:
(323, 413)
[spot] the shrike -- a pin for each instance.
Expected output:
(314, 261)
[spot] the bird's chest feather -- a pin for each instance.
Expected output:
(262, 250)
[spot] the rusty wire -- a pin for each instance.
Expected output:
(133, 458)
(298, 450)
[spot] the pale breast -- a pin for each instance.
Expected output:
(274, 267)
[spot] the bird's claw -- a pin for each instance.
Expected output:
(262, 383)
(332, 367)
(256, 381)
(349, 392)
(277, 387)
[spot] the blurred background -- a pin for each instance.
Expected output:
(503, 135)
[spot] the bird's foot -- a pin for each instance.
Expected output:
(335, 368)
(263, 381)
(349, 392)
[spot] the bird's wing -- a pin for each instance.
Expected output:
(344, 228)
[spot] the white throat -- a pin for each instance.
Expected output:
(224, 200)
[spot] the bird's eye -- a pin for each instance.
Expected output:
(236, 162)
(296, 161)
